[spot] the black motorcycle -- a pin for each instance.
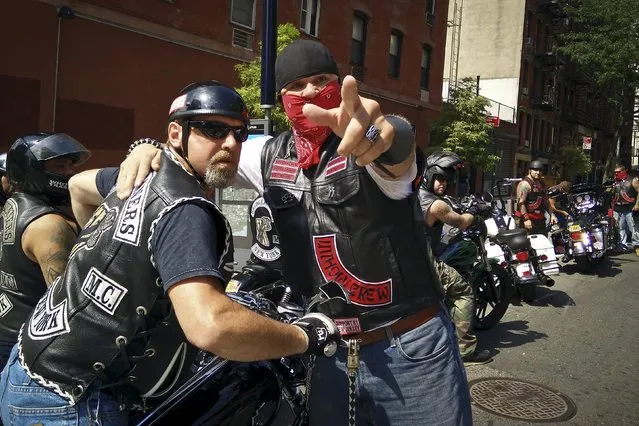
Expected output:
(590, 231)
(223, 392)
(465, 251)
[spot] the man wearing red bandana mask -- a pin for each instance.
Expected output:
(625, 203)
(342, 188)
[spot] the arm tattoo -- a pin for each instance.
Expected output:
(522, 193)
(53, 263)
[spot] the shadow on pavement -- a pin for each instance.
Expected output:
(550, 297)
(608, 268)
(508, 334)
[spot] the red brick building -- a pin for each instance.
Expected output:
(105, 71)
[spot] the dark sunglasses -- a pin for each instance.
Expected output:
(217, 130)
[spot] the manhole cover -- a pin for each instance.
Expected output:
(521, 400)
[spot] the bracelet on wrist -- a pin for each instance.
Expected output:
(143, 141)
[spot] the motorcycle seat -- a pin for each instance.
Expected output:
(516, 239)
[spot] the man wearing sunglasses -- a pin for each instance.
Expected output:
(342, 187)
(532, 201)
(144, 287)
(625, 203)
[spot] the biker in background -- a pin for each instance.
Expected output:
(625, 202)
(38, 229)
(558, 201)
(145, 275)
(342, 185)
(532, 201)
(5, 189)
(441, 167)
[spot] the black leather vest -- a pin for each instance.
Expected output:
(108, 317)
(336, 224)
(434, 233)
(21, 280)
(625, 193)
(535, 201)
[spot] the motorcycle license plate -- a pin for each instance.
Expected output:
(574, 228)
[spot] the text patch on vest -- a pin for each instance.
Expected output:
(103, 291)
(362, 293)
(47, 320)
(129, 226)
(5, 305)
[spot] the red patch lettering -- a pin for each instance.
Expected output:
(348, 326)
(285, 170)
(337, 164)
(362, 293)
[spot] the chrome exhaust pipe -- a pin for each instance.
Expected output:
(546, 280)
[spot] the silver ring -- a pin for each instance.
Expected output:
(372, 133)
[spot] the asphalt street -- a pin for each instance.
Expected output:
(579, 338)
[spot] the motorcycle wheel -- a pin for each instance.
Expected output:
(587, 265)
(492, 297)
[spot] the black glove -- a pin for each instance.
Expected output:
(479, 209)
(323, 335)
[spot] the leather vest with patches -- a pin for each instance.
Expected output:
(335, 224)
(108, 317)
(535, 201)
(21, 280)
(434, 233)
(625, 193)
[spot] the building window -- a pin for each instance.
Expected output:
(395, 53)
(427, 52)
(430, 12)
(310, 16)
(243, 13)
(358, 42)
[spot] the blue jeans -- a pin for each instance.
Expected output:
(416, 378)
(627, 229)
(25, 402)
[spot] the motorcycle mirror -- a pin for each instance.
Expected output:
(487, 197)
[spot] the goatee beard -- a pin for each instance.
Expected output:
(220, 177)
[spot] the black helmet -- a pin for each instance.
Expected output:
(441, 163)
(25, 164)
(536, 165)
(3, 163)
(209, 98)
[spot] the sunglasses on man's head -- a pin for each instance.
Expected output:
(218, 130)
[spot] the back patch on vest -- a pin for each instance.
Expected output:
(362, 293)
(5, 304)
(101, 221)
(285, 170)
(103, 291)
(129, 227)
(47, 320)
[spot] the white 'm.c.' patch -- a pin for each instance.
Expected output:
(103, 291)
(129, 226)
(5, 305)
(47, 320)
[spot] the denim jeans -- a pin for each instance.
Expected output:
(627, 229)
(416, 378)
(25, 402)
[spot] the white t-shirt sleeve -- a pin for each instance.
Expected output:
(395, 189)
(249, 171)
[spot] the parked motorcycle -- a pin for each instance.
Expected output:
(590, 229)
(223, 392)
(491, 283)
(522, 255)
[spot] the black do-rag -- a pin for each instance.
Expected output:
(303, 58)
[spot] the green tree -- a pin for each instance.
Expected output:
(250, 74)
(462, 127)
(603, 41)
(575, 161)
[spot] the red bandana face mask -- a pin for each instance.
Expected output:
(619, 176)
(310, 137)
